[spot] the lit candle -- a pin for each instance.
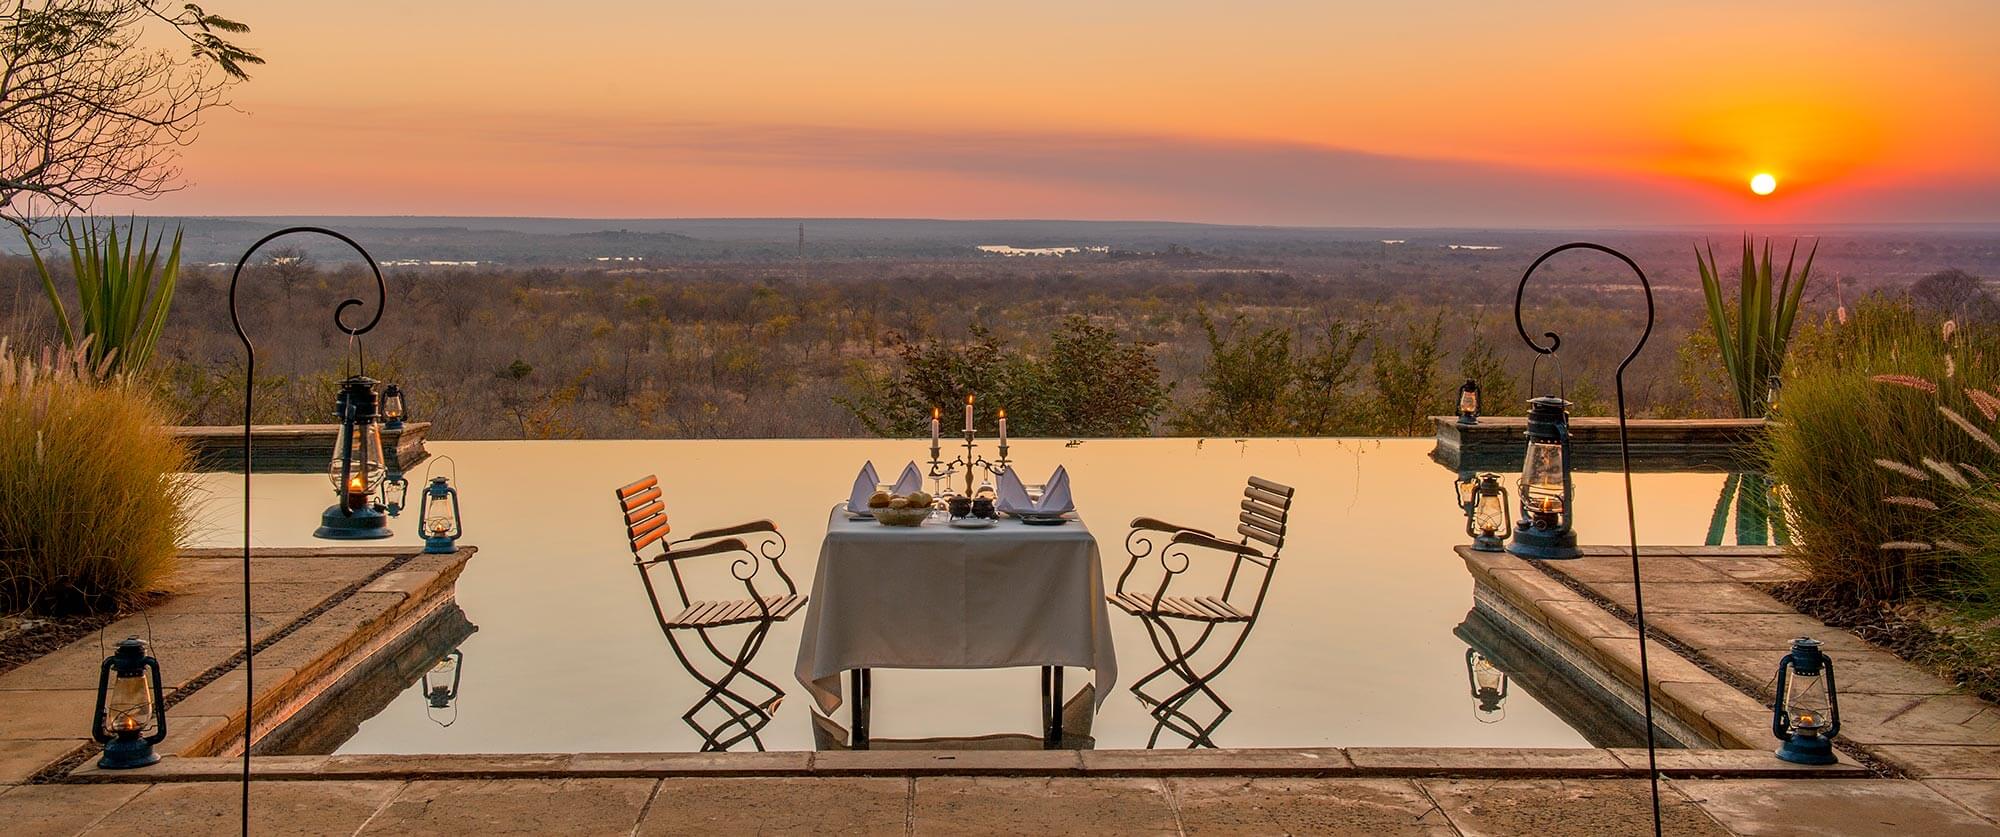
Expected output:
(1003, 427)
(968, 412)
(936, 413)
(357, 492)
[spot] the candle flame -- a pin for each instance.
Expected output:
(968, 399)
(127, 723)
(1003, 413)
(937, 413)
(355, 484)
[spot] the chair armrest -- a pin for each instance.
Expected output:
(711, 548)
(738, 529)
(1204, 539)
(1157, 525)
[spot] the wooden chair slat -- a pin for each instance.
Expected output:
(1276, 516)
(634, 488)
(1285, 491)
(1269, 498)
(645, 511)
(650, 538)
(1255, 534)
(647, 527)
(640, 499)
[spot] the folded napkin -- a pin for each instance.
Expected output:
(864, 488)
(1013, 496)
(911, 480)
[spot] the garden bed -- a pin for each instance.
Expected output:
(1930, 635)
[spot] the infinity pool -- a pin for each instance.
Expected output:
(1359, 643)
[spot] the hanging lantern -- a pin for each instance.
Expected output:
(1489, 686)
(1806, 712)
(1468, 402)
(438, 513)
(392, 407)
(440, 683)
(357, 468)
(1544, 529)
(1486, 515)
(131, 713)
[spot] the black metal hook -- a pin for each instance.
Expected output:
(1555, 340)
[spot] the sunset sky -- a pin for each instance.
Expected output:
(1422, 113)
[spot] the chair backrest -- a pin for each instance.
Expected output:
(645, 514)
(1266, 505)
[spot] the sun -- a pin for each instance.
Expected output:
(1763, 183)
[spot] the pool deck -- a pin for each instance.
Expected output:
(1924, 760)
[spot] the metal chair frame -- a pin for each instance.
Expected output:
(1266, 509)
(646, 524)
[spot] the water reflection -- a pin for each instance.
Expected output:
(1489, 687)
(1751, 499)
(440, 686)
(419, 659)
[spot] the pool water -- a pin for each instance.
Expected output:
(1358, 645)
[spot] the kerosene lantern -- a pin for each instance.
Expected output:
(392, 407)
(1489, 686)
(440, 685)
(438, 515)
(1468, 402)
(131, 713)
(1806, 712)
(357, 467)
(1544, 529)
(1486, 514)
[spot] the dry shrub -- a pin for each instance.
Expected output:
(93, 504)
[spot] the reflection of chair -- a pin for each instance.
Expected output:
(645, 525)
(1261, 526)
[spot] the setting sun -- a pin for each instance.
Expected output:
(1763, 184)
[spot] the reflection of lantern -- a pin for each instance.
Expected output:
(1468, 402)
(131, 713)
(440, 685)
(1771, 386)
(1806, 713)
(357, 467)
(1545, 527)
(1486, 514)
(438, 515)
(1489, 686)
(395, 494)
(392, 407)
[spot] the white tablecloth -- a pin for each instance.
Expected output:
(937, 597)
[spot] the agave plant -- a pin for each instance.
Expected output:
(123, 292)
(1753, 341)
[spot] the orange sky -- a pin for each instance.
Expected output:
(1419, 113)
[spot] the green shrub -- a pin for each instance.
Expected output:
(92, 507)
(1884, 445)
(123, 292)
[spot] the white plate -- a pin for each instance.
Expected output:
(972, 523)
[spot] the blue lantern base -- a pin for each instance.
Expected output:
(335, 524)
(123, 753)
(1802, 749)
(1467, 419)
(440, 546)
(1544, 544)
(1488, 543)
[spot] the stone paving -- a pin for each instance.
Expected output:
(45, 705)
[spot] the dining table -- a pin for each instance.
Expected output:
(935, 596)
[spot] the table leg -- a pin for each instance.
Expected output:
(858, 689)
(1056, 709)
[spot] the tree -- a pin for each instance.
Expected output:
(88, 110)
(1409, 386)
(1245, 385)
(1954, 293)
(1320, 403)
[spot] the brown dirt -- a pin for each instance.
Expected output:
(1927, 634)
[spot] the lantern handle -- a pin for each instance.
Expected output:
(434, 463)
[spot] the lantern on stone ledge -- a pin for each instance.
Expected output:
(1806, 712)
(131, 713)
(1468, 402)
(357, 468)
(1545, 527)
(1489, 686)
(392, 407)
(438, 515)
(1486, 514)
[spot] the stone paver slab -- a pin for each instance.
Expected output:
(301, 808)
(1306, 806)
(997, 805)
(816, 805)
(1980, 797)
(62, 713)
(287, 600)
(718, 764)
(1686, 597)
(1561, 807)
(1245, 762)
(223, 696)
(452, 765)
(515, 806)
(1620, 656)
(1771, 632)
(1935, 761)
(1484, 761)
(20, 760)
(1652, 568)
(1919, 719)
(59, 810)
(1878, 672)
(1753, 570)
(1581, 620)
(1774, 807)
(943, 762)
(1710, 763)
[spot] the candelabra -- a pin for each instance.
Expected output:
(971, 461)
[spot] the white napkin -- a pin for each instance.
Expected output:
(1013, 496)
(911, 480)
(864, 488)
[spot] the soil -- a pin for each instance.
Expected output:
(1926, 634)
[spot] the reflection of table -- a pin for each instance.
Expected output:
(942, 598)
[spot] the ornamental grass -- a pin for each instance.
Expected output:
(93, 504)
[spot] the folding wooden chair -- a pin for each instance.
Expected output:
(645, 525)
(1261, 527)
